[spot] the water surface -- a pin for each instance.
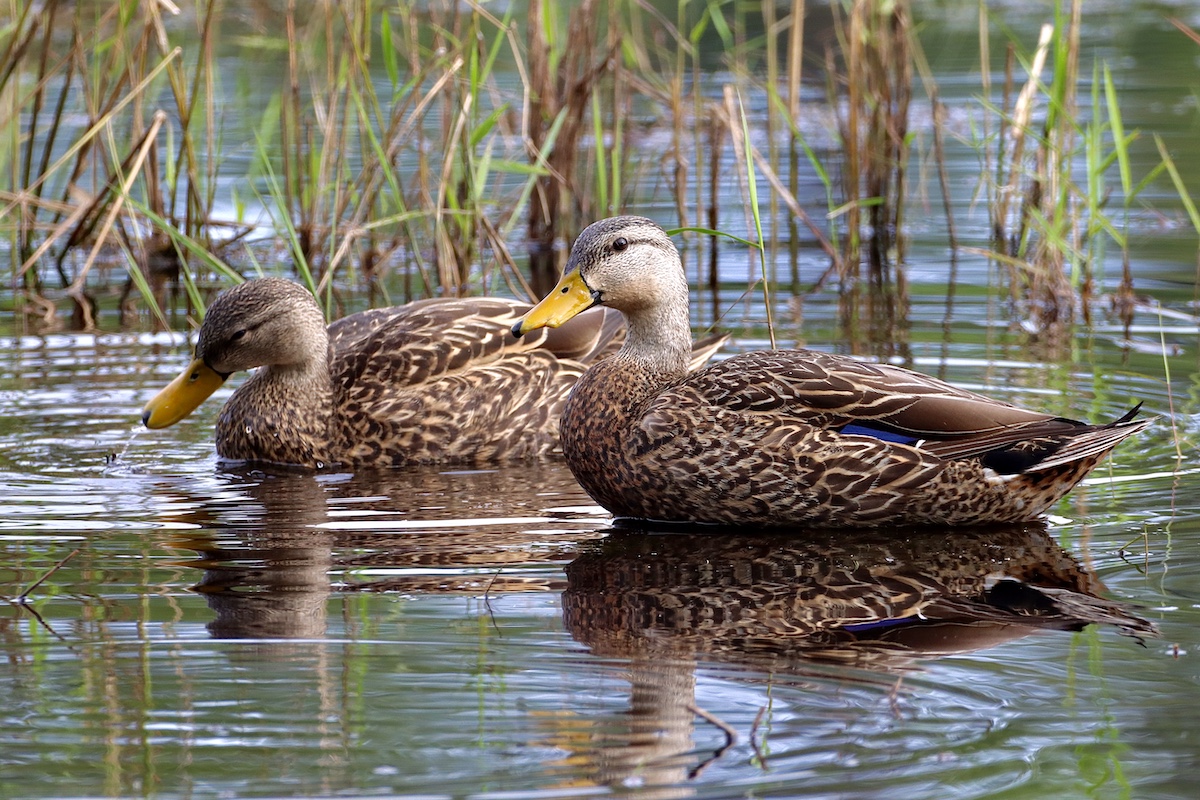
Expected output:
(177, 627)
(220, 630)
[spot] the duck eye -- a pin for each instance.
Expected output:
(620, 243)
(238, 335)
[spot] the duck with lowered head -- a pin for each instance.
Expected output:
(786, 437)
(433, 381)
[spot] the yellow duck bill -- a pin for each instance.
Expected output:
(570, 297)
(182, 396)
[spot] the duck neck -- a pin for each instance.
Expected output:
(309, 377)
(283, 414)
(659, 340)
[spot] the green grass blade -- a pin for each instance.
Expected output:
(1120, 142)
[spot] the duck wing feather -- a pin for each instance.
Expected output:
(428, 339)
(887, 403)
(833, 391)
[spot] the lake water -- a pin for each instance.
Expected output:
(219, 632)
(176, 627)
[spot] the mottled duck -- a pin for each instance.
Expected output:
(786, 437)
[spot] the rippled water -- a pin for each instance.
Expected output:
(173, 627)
(212, 631)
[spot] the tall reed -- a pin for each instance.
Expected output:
(409, 149)
(1051, 226)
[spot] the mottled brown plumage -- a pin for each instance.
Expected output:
(871, 598)
(787, 437)
(434, 381)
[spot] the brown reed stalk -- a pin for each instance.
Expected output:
(455, 106)
(795, 71)
(1018, 130)
(84, 304)
(939, 147)
(11, 58)
(32, 278)
(999, 208)
(197, 206)
(848, 126)
(993, 187)
(939, 155)
(561, 81)
(884, 38)
(771, 55)
(543, 107)
(293, 136)
(454, 236)
(679, 170)
(76, 154)
(876, 46)
(718, 127)
(622, 93)
(703, 124)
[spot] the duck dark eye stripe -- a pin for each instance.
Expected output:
(661, 244)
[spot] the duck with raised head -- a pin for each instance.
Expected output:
(786, 437)
(433, 381)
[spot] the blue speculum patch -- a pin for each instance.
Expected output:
(880, 433)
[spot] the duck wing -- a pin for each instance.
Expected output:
(833, 391)
(424, 340)
(888, 403)
(445, 380)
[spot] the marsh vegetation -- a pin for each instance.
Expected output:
(385, 152)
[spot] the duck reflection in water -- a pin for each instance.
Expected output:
(265, 566)
(275, 546)
(811, 607)
(876, 600)
(785, 608)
